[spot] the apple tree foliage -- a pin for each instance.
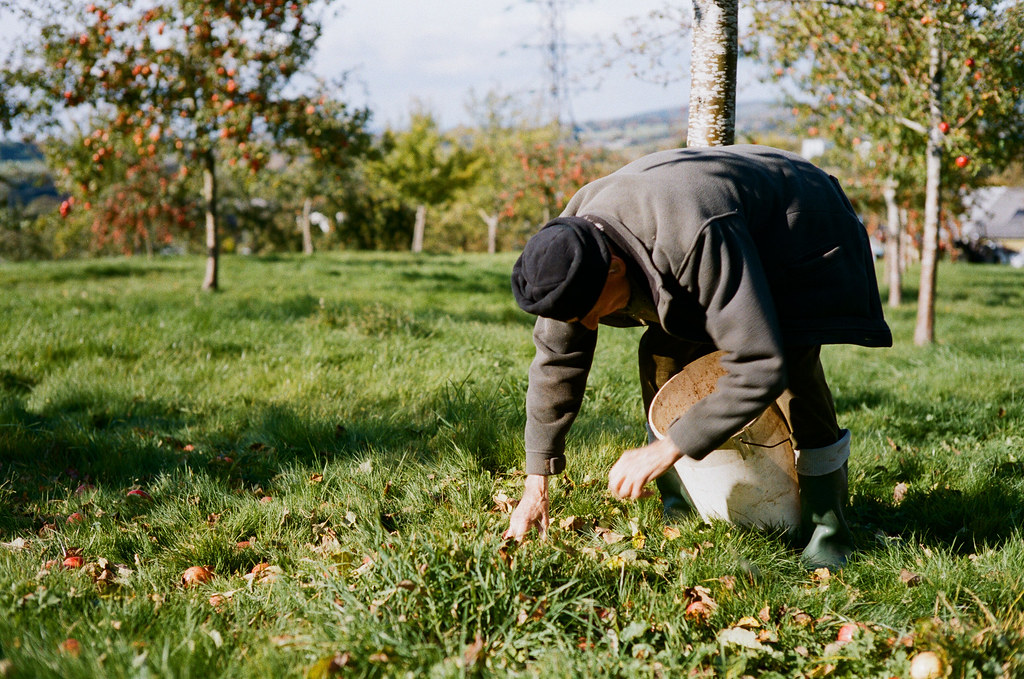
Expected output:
(930, 90)
(424, 167)
(164, 91)
(532, 170)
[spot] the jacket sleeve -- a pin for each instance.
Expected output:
(723, 272)
(558, 379)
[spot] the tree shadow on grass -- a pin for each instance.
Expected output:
(961, 521)
(115, 445)
(122, 446)
(106, 270)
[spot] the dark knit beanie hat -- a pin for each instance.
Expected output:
(562, 270)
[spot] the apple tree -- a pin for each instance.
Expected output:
(186, 81)
(423, 166)
(930, 89)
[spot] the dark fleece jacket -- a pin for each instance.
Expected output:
(748, 247)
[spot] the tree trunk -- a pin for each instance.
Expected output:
(492, 231)
(212, 239)
(924, 330)
(307, 233)
(893, 236)
(712, 120)
(418, 228)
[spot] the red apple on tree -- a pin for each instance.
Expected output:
(943, 127)
(962, 161)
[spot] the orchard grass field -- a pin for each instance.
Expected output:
(337, 440)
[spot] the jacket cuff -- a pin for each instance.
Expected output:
(544, 464)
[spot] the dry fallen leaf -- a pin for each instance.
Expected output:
(365, 567)
(16, 544)
(739, 636)
(609, 536)
(504, 553)
(909, 578)
(899, 492)
(670, 532)
(538, 610)
(503, 503)
(574, 523)
(471, 655)
(701, 605)
(800, 618)
(264, 574)
(330, 666)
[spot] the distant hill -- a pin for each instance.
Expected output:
(24, 177)
(14, 151)
(666, 128)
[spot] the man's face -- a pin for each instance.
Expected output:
(614, 295)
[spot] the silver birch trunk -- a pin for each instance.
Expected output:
(712, 119)
(212, 238)
(418, 228)
(893, 236)
(307, 232)
(924, 330)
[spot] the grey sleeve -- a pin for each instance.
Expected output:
(558, 379)
(724, 273)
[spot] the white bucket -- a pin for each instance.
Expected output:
(751, 480)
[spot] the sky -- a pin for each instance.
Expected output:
(433, 53)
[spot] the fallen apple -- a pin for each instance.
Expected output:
(926, 665)
(75, 517)
(73, 562)
(196, 575)
(846, 632)
(71, 646)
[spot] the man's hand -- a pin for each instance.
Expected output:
(639, 466)
(531, 511)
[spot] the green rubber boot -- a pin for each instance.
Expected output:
(676, 504)
(822, 524)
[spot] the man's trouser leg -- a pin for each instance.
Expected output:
(822, 450)
(661, 357)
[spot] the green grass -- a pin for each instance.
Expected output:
(352, 418)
